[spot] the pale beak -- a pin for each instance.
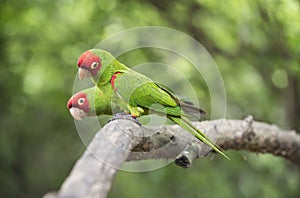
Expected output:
(77, 114)
(83, 73)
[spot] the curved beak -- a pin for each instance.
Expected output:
(77, 114)
(83, 73)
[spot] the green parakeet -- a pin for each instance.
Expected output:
(140, 92)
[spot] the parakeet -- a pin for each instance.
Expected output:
(138, 91)
(93, 101)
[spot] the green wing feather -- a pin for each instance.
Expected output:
(144, 93)
(187, 106)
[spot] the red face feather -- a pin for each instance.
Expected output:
(90, 62)
(79, 101)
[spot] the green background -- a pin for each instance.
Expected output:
(256, 45)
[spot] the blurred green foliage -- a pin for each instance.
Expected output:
(254, 43)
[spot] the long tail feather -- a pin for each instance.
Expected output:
(190, 107)
(188, 126)
(191, 111)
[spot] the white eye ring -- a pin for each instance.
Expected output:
(81, 101)
(94, 65)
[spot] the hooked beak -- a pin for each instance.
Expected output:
(77, 114)
(83, 73)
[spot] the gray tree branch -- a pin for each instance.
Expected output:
(124, 140)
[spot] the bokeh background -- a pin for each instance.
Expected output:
(256, 45)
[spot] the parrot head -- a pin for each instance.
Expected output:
(91, 61)
(78, 105)
(89, 102)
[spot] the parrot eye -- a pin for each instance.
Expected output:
(81, 101)
(94, 65)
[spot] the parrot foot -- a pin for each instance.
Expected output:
(125, 116)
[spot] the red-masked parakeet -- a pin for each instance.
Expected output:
(140, 92)
(93, 101)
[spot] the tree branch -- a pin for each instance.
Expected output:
(93, 173)
(244, 134)
(122, 140)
